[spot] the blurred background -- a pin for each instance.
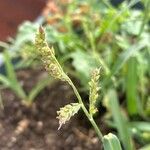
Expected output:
(12, 13)
(86, 34)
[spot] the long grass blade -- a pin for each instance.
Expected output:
(11, 75)
(38, 87)
(147, 147)
(140, 125)
(111, 142)
(121, 123)
(124, 57)
(131, 85)
(1, 102)
(5, 81)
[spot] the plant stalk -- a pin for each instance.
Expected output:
(90, 118)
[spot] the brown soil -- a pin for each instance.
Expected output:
(35, 128)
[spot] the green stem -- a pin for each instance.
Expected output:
(107, 3)
(90, 118)
(97, 130)
(1, 102)
(98, 58)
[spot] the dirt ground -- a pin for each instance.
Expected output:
(35, 128)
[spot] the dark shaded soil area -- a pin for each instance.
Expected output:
(35, 127)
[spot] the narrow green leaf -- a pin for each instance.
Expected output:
(5, 81)
(147, 147)
(111, 142)
(38, 87)
(131, 84)
(9, 67)
(1, 102)
(121, 123)
(122, 59)
(140, 125)
(11, 75)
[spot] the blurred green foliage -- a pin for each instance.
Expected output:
(89, 34)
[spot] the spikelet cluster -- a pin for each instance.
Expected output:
(94, 88)
(66, 112)
(48, 56)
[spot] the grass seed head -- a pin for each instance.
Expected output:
(66, 112)
(94, 88)
(48, 56)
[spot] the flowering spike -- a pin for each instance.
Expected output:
(48, 56)
(66, 112)
(41, 30)
(94, 88)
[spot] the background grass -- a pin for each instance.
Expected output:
(89, 34)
